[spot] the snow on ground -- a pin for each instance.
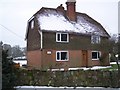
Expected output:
(21, 62)
(114, 63)
(99, 67)
(92, 68)
(52, 87)
(82, 68)
(62, 88)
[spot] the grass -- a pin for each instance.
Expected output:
(114, 66)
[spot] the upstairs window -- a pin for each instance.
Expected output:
(95, 39)
(96, 55)
(62, 37)
(62, 56)
(32, 24)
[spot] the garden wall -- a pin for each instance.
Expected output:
(79, 78)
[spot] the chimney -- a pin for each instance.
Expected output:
(71, 10)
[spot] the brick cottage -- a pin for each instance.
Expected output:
(58, 38)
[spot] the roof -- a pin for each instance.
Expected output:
(51, 19)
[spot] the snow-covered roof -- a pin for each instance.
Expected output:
(20, 58)
(53, 20)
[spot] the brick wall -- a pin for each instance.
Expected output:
(34, 59)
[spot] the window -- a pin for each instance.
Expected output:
(62, 56)
(32, 24)
(62, 37)
(96, 55)
(95, 39)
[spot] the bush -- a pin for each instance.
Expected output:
(8, 75)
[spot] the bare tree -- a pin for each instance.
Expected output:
(17, 51)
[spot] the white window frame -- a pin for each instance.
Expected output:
(97, 41)
(98, 55)
(60, 55)
(60, 37)
(32, 24)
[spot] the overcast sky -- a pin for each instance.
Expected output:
(15, 13)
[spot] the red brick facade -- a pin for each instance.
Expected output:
(46, 59)
(34, 59)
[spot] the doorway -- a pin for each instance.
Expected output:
(85, 58)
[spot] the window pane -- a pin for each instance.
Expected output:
(63, 55)
(32, 24)
(94, 55)
(58, 37)
(63, 37)
(98, 55)
(58, 55)
(95, 39)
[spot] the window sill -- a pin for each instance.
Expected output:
(95, 59)
(62, 41)
(62, 60)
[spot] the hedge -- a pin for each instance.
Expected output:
(78, 78)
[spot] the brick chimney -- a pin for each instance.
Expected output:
(71, 10)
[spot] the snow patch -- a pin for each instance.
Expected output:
(82, 68)
(114, 63)
(99, 67)
(43, 87)
(52, 87)
(21, 62)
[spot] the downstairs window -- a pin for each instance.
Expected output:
(96, 55)
(62, 56)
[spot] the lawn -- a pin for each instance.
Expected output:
(114, 66)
